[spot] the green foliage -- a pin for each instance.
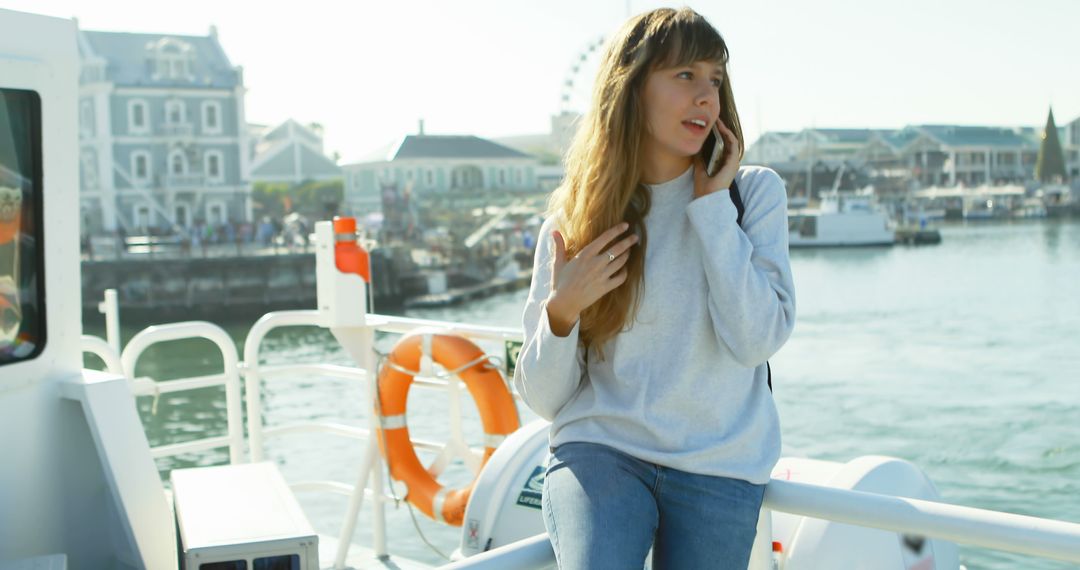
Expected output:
(545, 156)
(1050, 165)
(313, 198)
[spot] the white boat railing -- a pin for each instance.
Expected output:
(371, 466)
(124, 364)
(1006, 532)
(230, 378)
(965, 525)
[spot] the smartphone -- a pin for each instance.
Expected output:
(712, 150)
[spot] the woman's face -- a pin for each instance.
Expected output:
(681, 105)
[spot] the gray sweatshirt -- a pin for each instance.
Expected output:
(685, 386)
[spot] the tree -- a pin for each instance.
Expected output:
(269, 198)
(313, 198)
(1050, 166)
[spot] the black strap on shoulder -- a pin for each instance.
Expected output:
(736, 199)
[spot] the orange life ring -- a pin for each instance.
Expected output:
(487, 387)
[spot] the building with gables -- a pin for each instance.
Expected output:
(421, 165)
(915, 156)
(162, 133)
(290, 152)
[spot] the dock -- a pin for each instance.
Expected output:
(912, 235)
(457, 295)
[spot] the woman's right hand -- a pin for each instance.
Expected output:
(579, 282)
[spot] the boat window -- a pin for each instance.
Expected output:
(22, 260)
(286, 562)
(230, 565)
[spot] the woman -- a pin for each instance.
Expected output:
(652, 313)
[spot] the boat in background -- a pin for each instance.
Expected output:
(842, 219)
(1030, 208)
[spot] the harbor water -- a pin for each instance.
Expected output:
(963, 358)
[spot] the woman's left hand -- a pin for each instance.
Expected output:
(729, 166)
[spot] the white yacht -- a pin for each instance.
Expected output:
(842, 219)
(79, 487)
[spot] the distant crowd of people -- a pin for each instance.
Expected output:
(291, 234)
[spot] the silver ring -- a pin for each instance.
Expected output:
(610, 257)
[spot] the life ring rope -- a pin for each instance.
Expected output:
(412, 356)
(494, 363)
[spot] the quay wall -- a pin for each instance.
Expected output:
(187, 288)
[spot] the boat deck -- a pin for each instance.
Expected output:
(363, 558)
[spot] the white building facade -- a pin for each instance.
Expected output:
(926, 155)
(161, 133)
(438, 165)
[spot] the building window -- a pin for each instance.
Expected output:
(88, 164)
(142, 217)
(430, 177)
(22, 257)
(140, 166)
(171, 58)
(86, 118)
(174, 112)
(182, 216)
(502, 177)
(177, 163)
(214, 167)
(137, 117)
(520, 175)
(216, 213)
(211, 116)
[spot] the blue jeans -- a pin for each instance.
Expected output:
(605, 509)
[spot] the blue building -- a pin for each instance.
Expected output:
(162, 133)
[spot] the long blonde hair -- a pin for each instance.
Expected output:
(603, 182)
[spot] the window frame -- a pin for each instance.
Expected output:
(207, 128)
(133, 128)
(211, 177)
(87, 119)
(37, 194)
(135, 155)
(216, 203)
(184, 161)
(175, 104)
(151, 218)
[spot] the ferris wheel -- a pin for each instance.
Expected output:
(576, 93)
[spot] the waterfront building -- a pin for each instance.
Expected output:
(290, 152)
(948, 155)
(468, 169)
(812, 160)
(161, 133)
(917, 156)
(1070, 144)
(774, 147)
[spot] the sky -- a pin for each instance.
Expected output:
(368, 71)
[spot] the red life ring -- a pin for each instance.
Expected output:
(487, 387)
